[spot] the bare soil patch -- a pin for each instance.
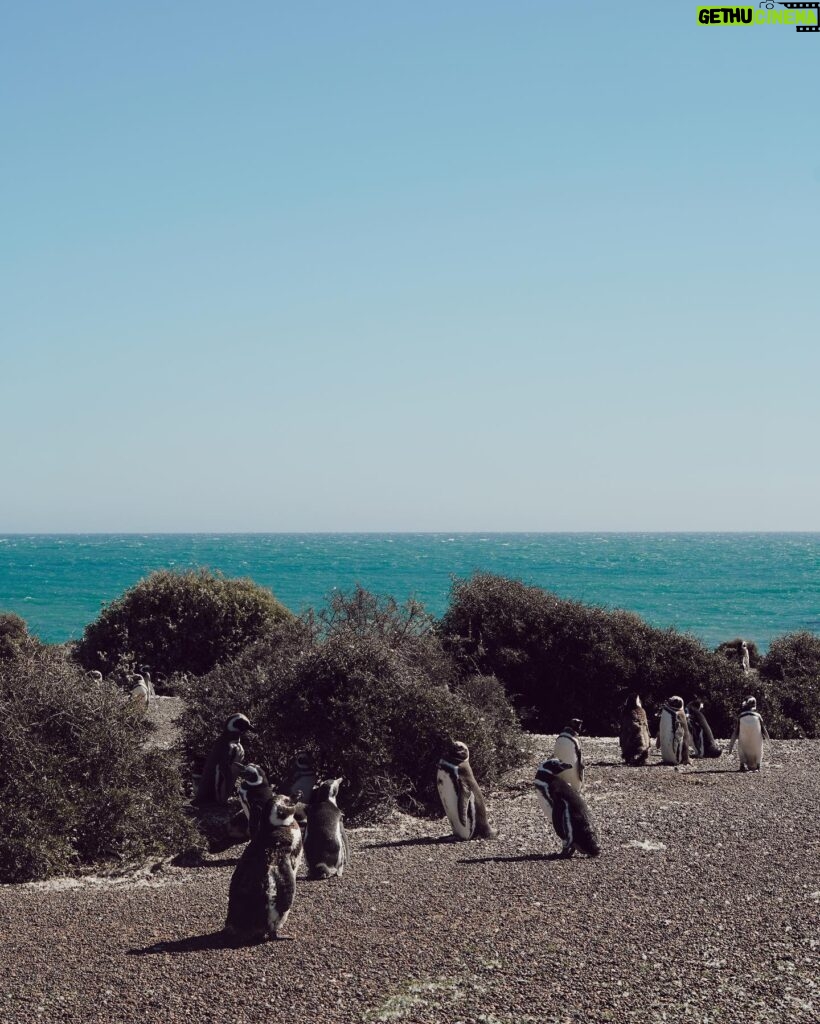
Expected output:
(704, 907)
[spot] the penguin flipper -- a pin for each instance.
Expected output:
(463, 800)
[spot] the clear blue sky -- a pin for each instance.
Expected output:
(407, 266)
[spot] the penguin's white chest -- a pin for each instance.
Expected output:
(566, 751)
(140, 695)
(750, 741)
(448, 791)
(544, 800)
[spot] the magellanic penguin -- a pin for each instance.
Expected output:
(254, 794)
(749, 735)
(673, 733)
(301, 777)
(146, 678)
(264, 881)
(568, 750)
(567, 809)
(634, 733)
(461, 795)
(326, 848)
(223, 762)
(703, 741)
(140, 693)
(95, 675)
(744, 657)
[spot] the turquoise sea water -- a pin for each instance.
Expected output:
(717, 586)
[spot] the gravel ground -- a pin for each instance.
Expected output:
(704, 907)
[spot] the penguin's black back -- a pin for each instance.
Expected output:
(321, 844)
(634, 732)
(249, 892)
(564, 798)
(702, 734)
(257, 798)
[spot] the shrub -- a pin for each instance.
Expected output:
(14, 636)
(561, 659)
(794, 656)
(77, 786)
(179, 622)
(366, 687)
(790, 678)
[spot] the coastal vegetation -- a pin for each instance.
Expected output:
(560, 659)
(14, 636)
(370, 687)
(173, 622)
(790, 678)
(77, 784)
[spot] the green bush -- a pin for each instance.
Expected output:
(179, 622)
(561, 659)
(14, 636)
(77, 786)
(790, 679)
(366, 687)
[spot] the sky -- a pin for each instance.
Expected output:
(406, 266)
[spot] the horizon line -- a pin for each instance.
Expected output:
(400, 533)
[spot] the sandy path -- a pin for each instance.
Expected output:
(704, 907)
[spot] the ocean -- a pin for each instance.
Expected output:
(717, 586)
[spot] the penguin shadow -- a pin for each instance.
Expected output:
(212, 862)
(519, 858)
(420, 841)
(200, 944)
(192, 944)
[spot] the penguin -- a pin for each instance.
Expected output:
(263, 884)
(673, 733)
(254, 794)
(95, 676)
(634, 734)
(568, 750)
(703, 740)
(744, 657)
(140, 693)
(300, 778)
(223, 762)
(566, 808)
(326, 847)
(749, 734)
(146, 678)
(461, 795)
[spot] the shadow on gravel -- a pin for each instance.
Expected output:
(193, 944)
(519, 858)
(421, 841)
(197, 944)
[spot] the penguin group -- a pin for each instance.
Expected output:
(298, 819)
(683, 732)
(138, 685)
(301, 819)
